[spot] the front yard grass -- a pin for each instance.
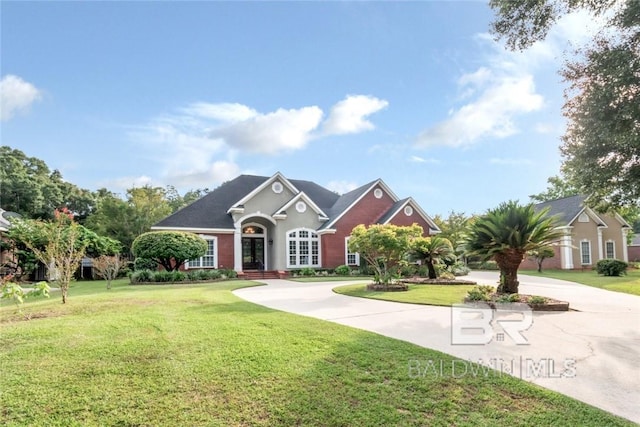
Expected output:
(629, 284)
(417, 294)
(314, 279)
(198, 355)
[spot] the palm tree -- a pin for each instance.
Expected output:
(506, 233)
(430, 250)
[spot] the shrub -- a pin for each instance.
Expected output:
(178, 276)
(459, 269)
(162, 276)
(140, 276)
(611, 267)
(307, 271)
(508, 298)
(343, 270)
(447, 276)
(144, 264)
(537, 300)
(485, 265)
(480, 293)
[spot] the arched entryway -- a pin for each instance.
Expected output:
(253, 247)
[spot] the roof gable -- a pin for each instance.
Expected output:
(350, 199)
(400, 205)
(281, 212)
(276, 177)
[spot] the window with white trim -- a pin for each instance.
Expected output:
(610, 249)
(303, 248)
(210, 258)
(351, 258)
(585, 252)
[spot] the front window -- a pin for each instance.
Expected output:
(303, 249)
(352, 258)
(585, 252)
(209, 259)
(610, 249)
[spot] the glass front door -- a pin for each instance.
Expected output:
(253, 253)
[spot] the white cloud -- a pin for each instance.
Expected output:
(342, 187)
(16, 95)
(350, 115)
(510, 162)
(272, 133)
(489, 115)
(418, 159)
(502, 90)
(127, 182)
(217, 173)
(225, 112)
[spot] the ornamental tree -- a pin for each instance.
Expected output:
(107, 267)
(540, 254)
(170, 249)
(506, 234)
(383, 246)
(431, 250)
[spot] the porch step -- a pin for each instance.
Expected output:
(263, 274)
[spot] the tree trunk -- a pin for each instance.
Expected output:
(540, 265)
(64, 294)
(508, 264)
(431, 268)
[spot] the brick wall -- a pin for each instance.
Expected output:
(548, 263)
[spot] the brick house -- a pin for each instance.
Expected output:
(588, 236)
(634, 249)
(257, 223)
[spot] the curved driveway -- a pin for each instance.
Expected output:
(592, 354)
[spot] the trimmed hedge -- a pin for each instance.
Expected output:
(148, 276)
(611, 267)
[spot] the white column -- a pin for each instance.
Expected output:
(600, 254)
(625, 253)
(237, 247)
(567, 251)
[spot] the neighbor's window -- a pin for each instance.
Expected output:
(209, 259)
(303, 249)
(352, 258)
(585, 252)
(610, 248)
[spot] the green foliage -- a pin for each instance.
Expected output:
(229, 273)
(611, 267)
(559, 187)
(307, 271)
(432, 250)
(540, 254)
(459, 269)
(144, 264)
(601, 144)
(32, 190)
(537, 300)
(506, 234)
(382, 247)
(343, 270)
(454, 228)
(142, 276)
(170, 249)
(508, 298)
(480, 293)
(14, 292)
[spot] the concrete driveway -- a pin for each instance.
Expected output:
(592, 354)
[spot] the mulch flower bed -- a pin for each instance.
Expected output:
(550, 304)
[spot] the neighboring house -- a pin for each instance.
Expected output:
(279, 224)
(589, 236)
(5, 256)
(634, 249)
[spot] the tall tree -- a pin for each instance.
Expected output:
(506, 233)
(31, 189)
(453, 229)
(558, 188)
(601, 146)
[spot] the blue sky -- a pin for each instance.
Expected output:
(191, 94)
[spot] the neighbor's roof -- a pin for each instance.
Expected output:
(566, 209)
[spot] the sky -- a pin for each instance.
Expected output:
(193, 94)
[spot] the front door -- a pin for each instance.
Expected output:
(253, 253)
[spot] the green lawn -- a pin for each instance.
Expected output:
(629, 284)
(313, 279)
(417, 294)
(197, 355)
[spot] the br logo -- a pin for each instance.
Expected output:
(479, 323)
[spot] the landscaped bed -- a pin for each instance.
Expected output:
(198, 355)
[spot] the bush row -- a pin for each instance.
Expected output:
(149, 276)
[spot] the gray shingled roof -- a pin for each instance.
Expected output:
(211, 210)
(565, 209)
(392, 210)
(343, 202)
